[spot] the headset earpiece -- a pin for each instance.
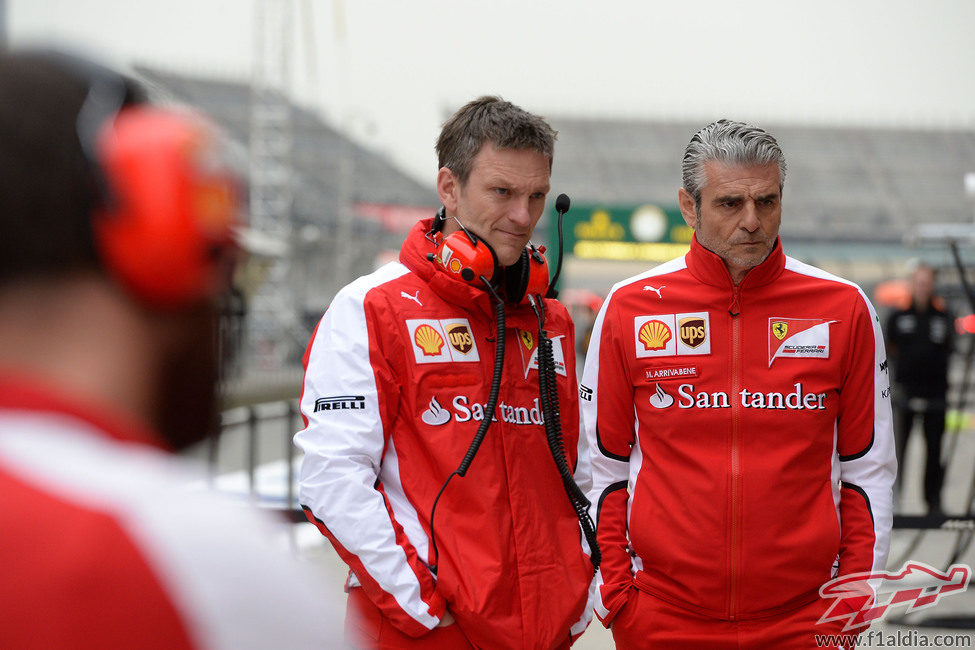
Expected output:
(166, 228)
(466, 257)
(527, 276)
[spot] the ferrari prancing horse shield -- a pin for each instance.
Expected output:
(780, 329)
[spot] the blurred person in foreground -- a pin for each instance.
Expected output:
(921, 339)
(739, 423)
(115, 246)
(397, 381)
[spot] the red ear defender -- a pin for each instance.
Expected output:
(465, 257)
(166, 228)
(528, 276)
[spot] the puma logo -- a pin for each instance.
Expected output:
(415, 297)
(647, 287)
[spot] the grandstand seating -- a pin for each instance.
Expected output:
(843, 184)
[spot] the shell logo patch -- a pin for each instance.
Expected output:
(798, 338)
(428, 340)
(654, 335)
(430, 337)
(667, 335)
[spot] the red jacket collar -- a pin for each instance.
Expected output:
(21, 392)
(710, 268)
(413, 256)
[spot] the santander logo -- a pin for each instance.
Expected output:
(435, 415)
(661, 399)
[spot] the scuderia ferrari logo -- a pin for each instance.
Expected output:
(780, 328)
(805, 338)
(529, 352)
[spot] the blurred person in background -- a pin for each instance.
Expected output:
(921, 339)
(738, 423)
(397, 381)
(115, 247)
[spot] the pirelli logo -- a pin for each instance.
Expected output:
(340, 402)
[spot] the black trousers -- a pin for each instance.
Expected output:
(932, 413)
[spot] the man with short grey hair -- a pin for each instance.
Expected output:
(739, 423)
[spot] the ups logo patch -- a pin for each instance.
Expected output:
(460, 338)
(692, 331)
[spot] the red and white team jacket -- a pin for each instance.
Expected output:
(397, 375)
(105, 544)
(741, 436)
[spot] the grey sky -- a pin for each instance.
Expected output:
(389, 71)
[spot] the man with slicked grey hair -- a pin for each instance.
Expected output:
(739, 424)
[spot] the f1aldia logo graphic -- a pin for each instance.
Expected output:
(916, 585)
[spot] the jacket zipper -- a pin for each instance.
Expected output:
(735, 310)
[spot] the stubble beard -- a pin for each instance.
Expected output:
(725, 250)
(188, 406)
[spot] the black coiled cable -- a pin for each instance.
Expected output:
(548, 394)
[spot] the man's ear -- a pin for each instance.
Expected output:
(688, 207)
(448, 189)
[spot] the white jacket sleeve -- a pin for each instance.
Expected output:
(865, 449)
(348, 388)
